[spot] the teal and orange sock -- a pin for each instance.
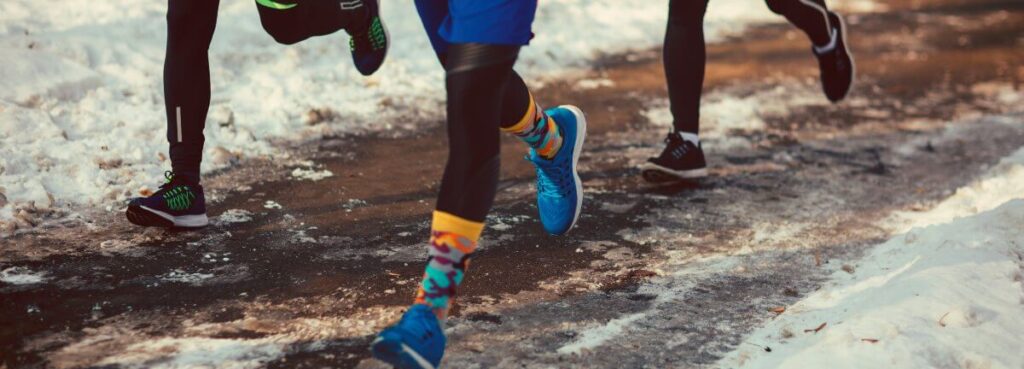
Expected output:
(538, 131)
(452, 241)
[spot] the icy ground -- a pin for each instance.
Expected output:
(300, 270)
(81, 105)
(945, 293)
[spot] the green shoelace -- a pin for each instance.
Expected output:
(179, 197)
(376, 35)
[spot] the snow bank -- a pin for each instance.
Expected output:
(81, 105)
(946, 293)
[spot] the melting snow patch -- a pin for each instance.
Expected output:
(199, 352)
(731, 109)
(504, 223)
(591, 84)
(301, 236)
(21, 276)
(597, 336)
(353, 204)
(271, 204)
(311, 174)
(231, 216)
(180, 276)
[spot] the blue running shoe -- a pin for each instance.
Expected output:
(559, 189)
(369, 47)
(415, 342)
(178, 203)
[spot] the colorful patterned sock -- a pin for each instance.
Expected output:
(452, 241)
(538, 130)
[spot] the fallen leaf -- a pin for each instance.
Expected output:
(778, 310)
(942, 322)
(817, 258)
(869, 340)
(816, 330)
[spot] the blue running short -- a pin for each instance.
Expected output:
(493, 22)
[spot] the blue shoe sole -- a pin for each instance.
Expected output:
(391, 350)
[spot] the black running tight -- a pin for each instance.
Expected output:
(483, 94)
(685, 54)
(190, 27)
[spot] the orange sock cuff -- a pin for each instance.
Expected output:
(527, 121)
(444, 222)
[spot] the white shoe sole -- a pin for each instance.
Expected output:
(846, 47)
(415, 356)
(681, 174)
(184, 221)
(581, 135)
(422, 362)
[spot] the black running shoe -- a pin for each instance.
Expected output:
(681, 159)
(837, 67)
(178, 203)
(369, 47)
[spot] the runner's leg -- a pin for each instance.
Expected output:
(289, 22)
(684, 58)
(190, 27)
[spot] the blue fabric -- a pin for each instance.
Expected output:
(420, 332)
(493, 22)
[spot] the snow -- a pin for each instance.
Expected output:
(597, 336)
(311, 174)
(1004, 182)
(234, 216)
(81, 105)
(180, 276)
(197, 352)
(595, 83)
(729, 110)
(21, 276)
(946, 292)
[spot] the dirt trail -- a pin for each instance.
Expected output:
(300, 273)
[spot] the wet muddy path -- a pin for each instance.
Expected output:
(300, 272)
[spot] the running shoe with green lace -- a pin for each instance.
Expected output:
(178, 203)
(370, 46)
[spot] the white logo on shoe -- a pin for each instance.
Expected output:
(351, 4)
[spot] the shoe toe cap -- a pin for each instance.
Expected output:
(367, 65)
(557, 214)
